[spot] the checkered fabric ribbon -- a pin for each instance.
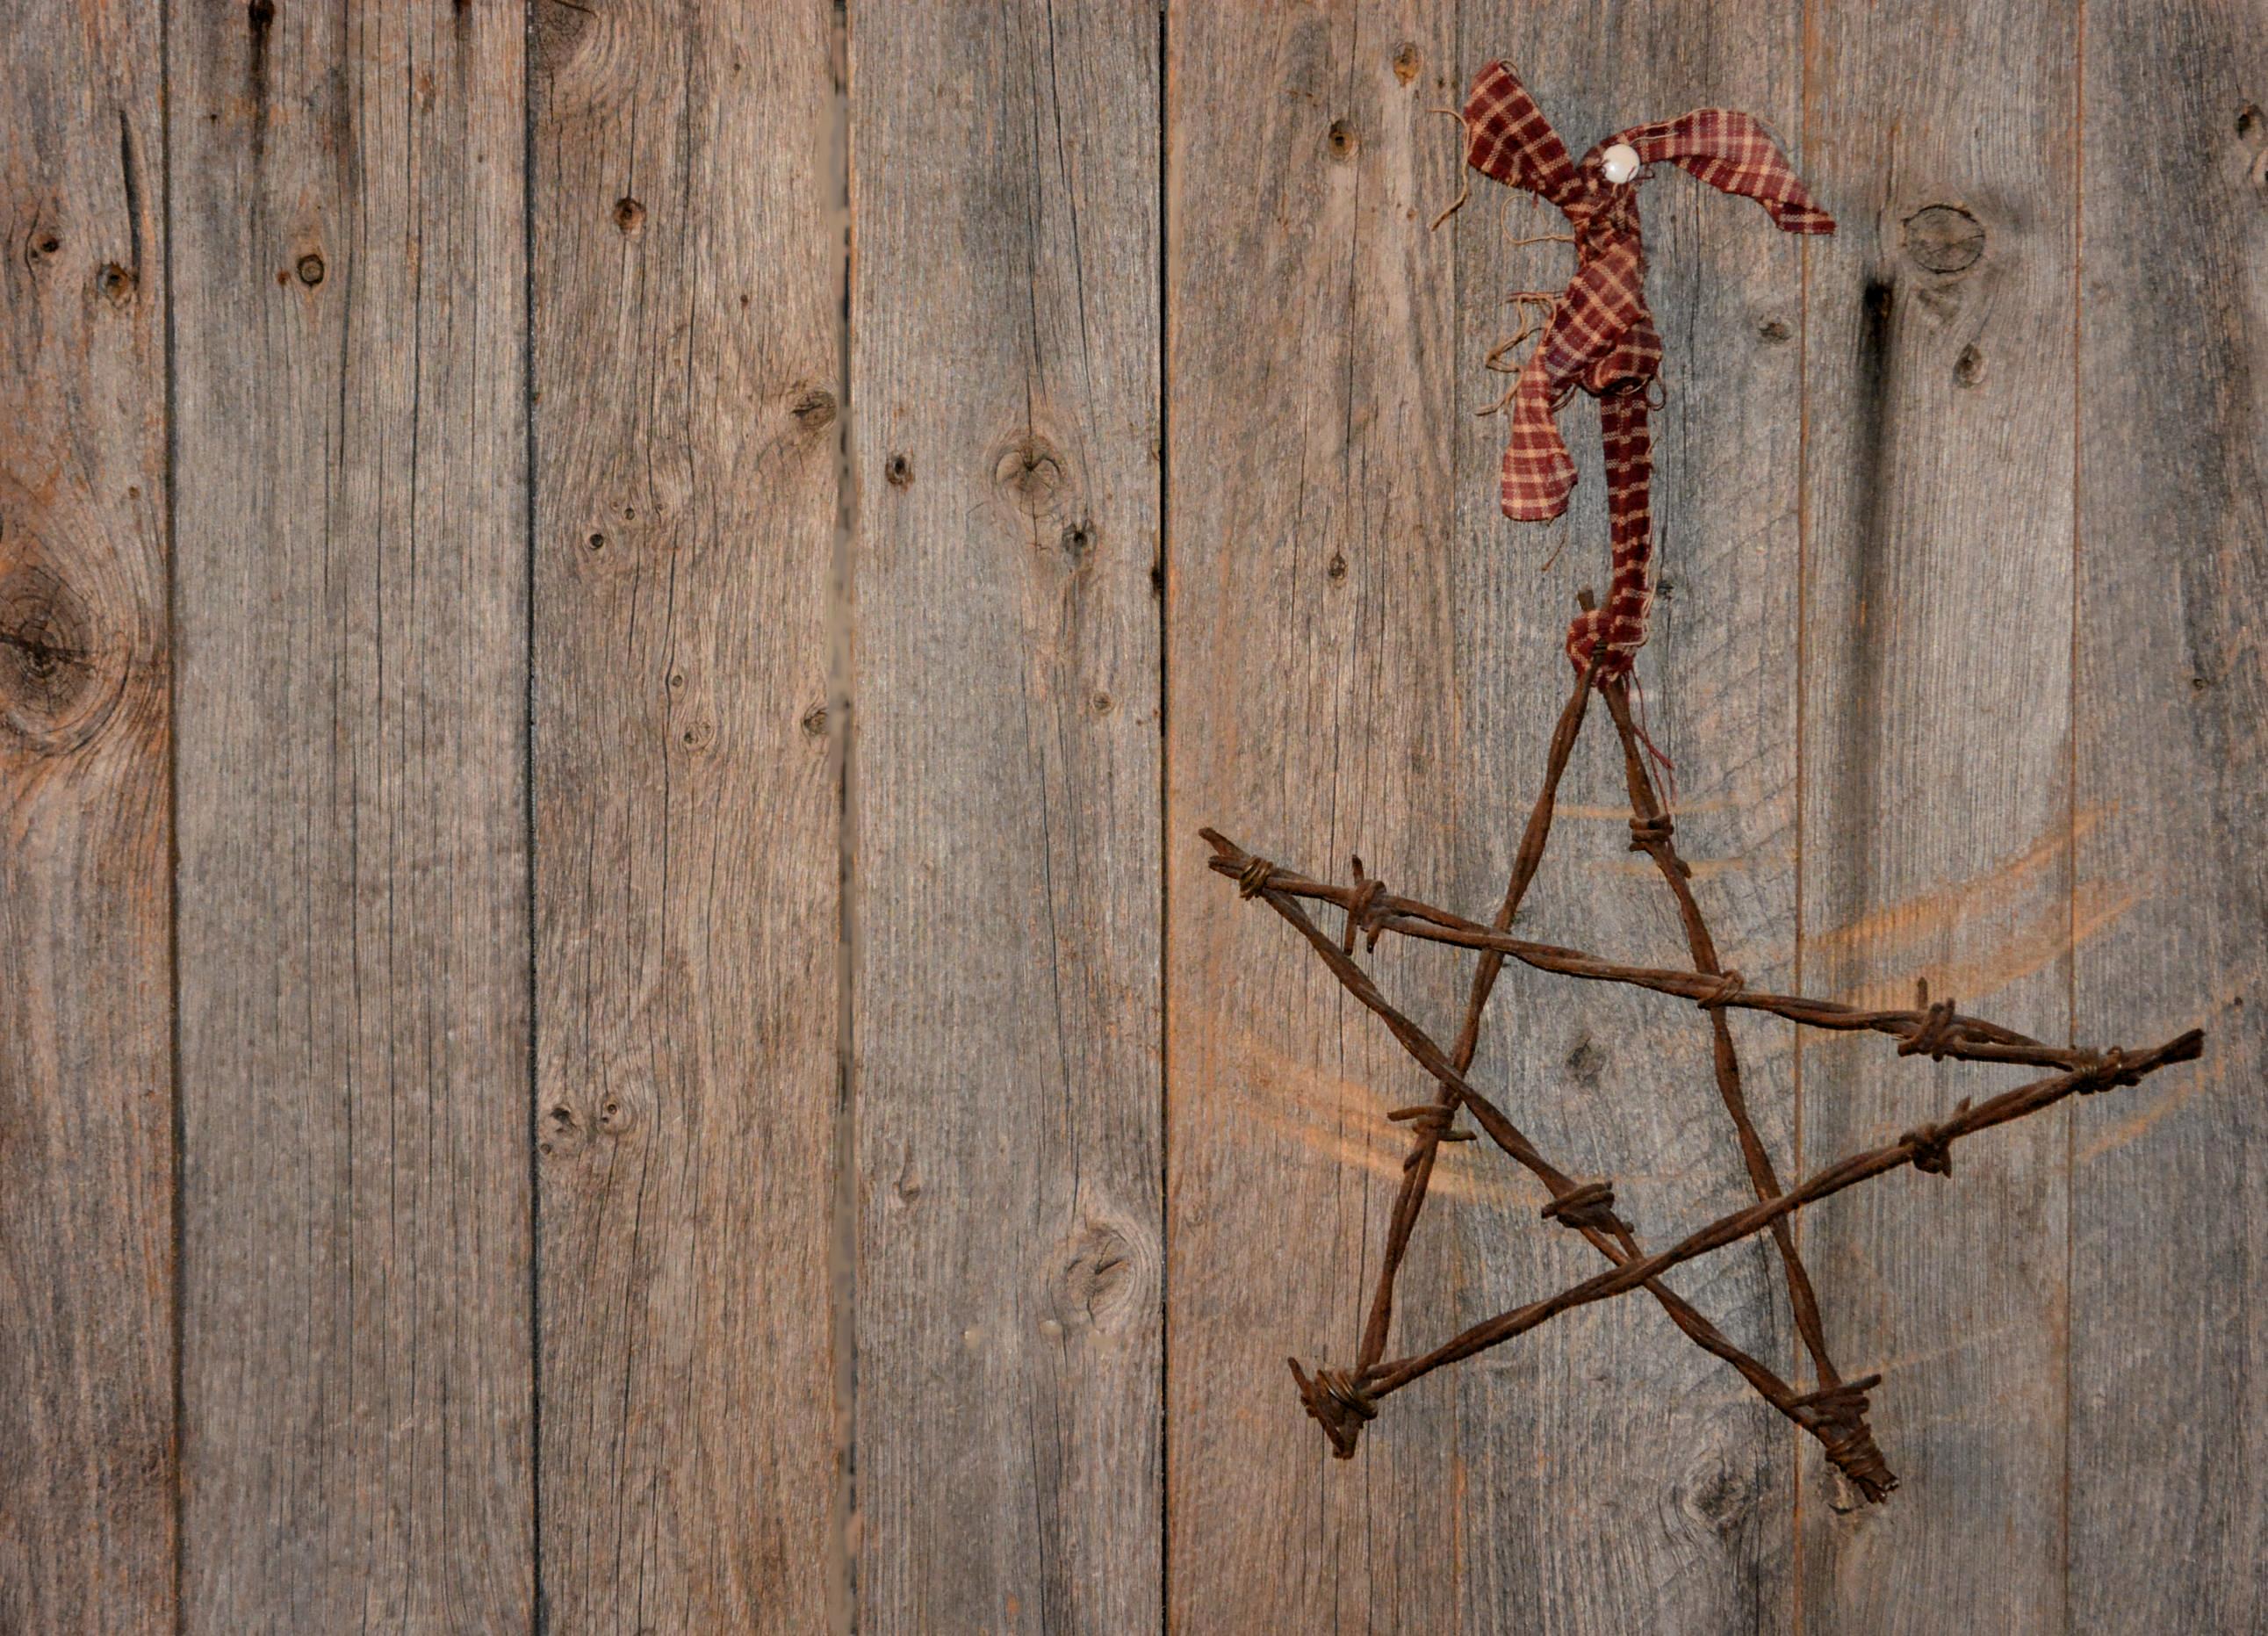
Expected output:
(1600, 335)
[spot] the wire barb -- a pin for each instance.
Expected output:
(1337, 1403)
(1591, 1205)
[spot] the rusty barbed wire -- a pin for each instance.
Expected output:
(1342, 1401)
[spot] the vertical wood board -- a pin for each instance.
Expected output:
(2170, 1401)
(1309, 664)
(687, 309)
(1004, 797)
(356, 1386)
(86, 1149)
(1936, 800)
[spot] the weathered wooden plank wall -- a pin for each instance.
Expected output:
(615, 620)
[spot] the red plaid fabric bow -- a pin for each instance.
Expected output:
(1600, 335)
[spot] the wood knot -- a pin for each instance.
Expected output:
(1097, 1282)
(1944, 238)
(629, 215)
(898, 471)
(55, 687)
(561, 1132)
(310, 269)
(1407, 62)
(115, 283)
(555, 33)
(1340, 139)
(1030, 473)
(814, 406)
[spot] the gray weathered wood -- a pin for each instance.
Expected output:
(1005, 788)
(1309, 661)
(687, 267)
(2169, 1203)
(86, 1238)
(357, 1387)
(1935, 832)
(1619, 1479)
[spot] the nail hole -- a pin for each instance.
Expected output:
(596, 543)
(899, 471)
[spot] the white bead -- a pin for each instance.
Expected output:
(1620, 163)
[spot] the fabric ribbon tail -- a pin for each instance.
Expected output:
(1733, 153)
(1538, 474)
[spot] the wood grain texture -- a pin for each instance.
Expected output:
(2169, 1201)
(87, 1447)
(1310, 623)
(1004, 797)
(347, 229)
(1936, 799)
(1620, 1479)
(687, 265)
